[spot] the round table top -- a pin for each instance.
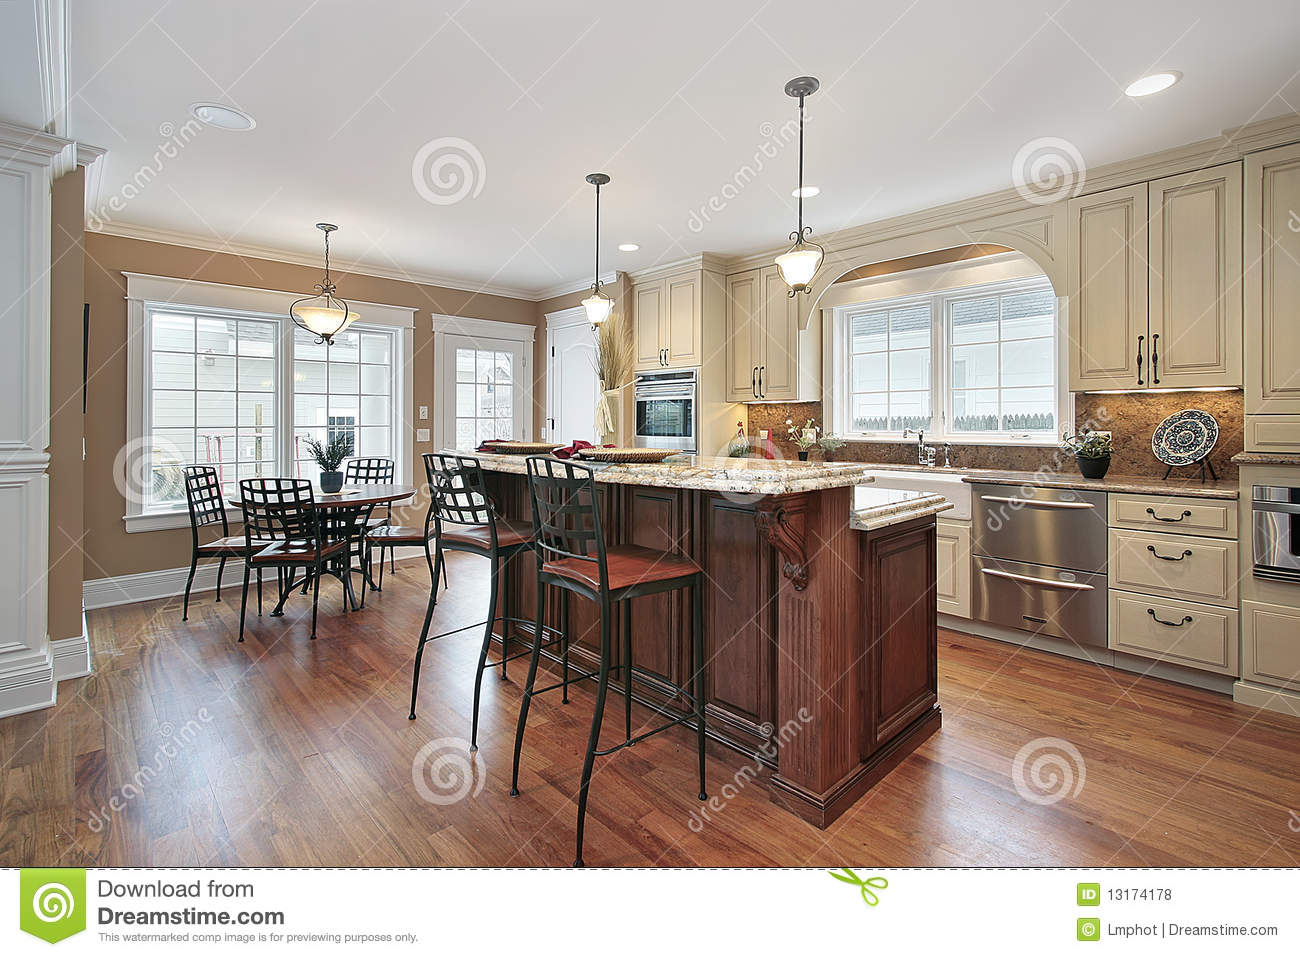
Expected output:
(352, 496)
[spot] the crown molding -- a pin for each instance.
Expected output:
(88, 158)
(709, 262)
(568, 288)
(149, 234)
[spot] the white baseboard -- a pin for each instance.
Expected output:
(1262, 696)
(70, 657)
(33, 684)
(170, 582)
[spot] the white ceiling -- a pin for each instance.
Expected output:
(920, 104)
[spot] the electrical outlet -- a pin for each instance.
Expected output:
(422, 435)
(424, 413)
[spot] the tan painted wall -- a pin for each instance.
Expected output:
(67, 276)
(109, 550)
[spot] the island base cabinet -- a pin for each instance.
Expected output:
(819, 641)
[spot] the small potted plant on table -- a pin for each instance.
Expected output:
(830, 443)
(329, 456)
(1092, 451)
(805, 436)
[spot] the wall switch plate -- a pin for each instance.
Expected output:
(422, 435)
(424, 413)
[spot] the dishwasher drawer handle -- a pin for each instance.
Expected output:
(1171, 624)
(1152, 513)
(1187, 552)
(1045, 503)
(1069, 586)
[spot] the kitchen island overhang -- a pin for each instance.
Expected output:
(820, 626)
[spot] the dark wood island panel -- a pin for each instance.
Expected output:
(820, 632)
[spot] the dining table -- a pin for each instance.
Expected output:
(344, 514)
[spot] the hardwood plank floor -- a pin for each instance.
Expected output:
(185, 748)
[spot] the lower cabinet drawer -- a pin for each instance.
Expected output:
(1270, 644)
(1179, 632)
(1184, 515)
(1176, 566)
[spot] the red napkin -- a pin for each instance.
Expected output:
(486, 444)
(577, 446)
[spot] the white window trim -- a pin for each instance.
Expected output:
(941, 398)
(484, 332)
(144, 292)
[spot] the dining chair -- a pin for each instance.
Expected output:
(283, 511)
(373, 470)
(207, 508)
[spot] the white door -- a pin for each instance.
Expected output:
(482, 391)
(572, 386)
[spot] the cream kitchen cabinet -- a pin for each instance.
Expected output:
(768, 357)
(1272, 296)
(1153, 282)
(668, 318)
(952, 584)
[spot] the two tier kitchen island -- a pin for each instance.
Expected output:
(820, 628)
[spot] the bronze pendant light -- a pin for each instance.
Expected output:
(799, 264)
(324, 315)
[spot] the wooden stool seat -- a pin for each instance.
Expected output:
(231, 545)
(397, 534)
(627, 565)
(509, 534)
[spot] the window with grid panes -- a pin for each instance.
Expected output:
(343, 389)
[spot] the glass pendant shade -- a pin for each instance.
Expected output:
(799, 264)
(598, 307)
(322, 319)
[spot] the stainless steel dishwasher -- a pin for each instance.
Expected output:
(1040, 561)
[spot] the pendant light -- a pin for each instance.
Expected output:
(799, 264)
(598, 305)
(323, 315)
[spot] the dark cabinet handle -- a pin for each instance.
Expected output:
(1152, 513)
(1169, 558)
(761, 392)
(1155, 358)
(1140, 338)
(753, 381)
(1171, 624)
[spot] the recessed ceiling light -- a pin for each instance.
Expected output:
(805, 191)
(628, 247)
(222, 117)
(1153, 83)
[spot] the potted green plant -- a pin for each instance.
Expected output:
(329, 456)
(1091, 450)
(830, 443)
(805, 436)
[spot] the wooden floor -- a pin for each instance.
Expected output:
(185, 748)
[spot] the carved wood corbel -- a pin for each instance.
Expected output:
(783, 521)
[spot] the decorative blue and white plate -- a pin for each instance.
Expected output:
(1185, 437)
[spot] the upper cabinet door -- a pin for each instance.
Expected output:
(1107, 280)
(778, 370)
(1272, 285)
(683, 326)
(648, 315)
(744, 335)
(1195, 264)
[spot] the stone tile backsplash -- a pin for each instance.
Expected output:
(1131, 417)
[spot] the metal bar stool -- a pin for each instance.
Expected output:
(464, 520)
(572, 556)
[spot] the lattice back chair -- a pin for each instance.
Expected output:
(373, 470)
(574, 556)
(283, 511)
(464, 519)
(207, 509)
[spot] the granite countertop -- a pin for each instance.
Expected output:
(1267, 458)
(713, 473)
(878, 507)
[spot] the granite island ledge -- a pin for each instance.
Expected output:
(820, 624)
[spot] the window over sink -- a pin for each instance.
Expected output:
(977, 363)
